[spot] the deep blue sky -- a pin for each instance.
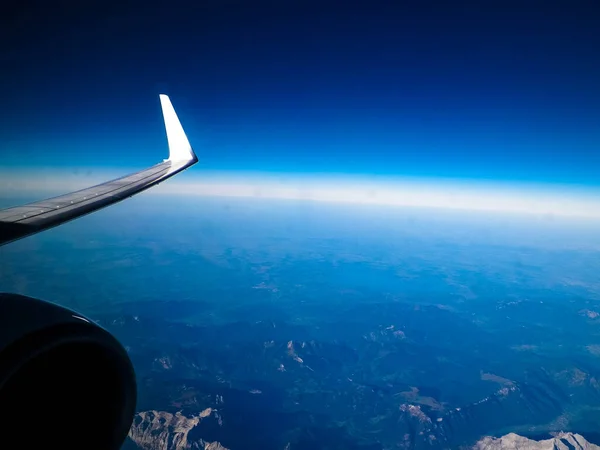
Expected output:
(484, 89)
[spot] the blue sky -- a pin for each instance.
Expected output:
(454, 90)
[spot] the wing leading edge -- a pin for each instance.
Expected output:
(21, 221)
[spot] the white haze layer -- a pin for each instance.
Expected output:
(555, 200)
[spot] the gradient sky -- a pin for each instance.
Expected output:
(463, 90)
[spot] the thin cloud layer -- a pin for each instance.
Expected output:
(477, 196)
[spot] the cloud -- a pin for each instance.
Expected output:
(502, 197)
(477, 196)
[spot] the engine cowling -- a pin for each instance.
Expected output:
(65, 382)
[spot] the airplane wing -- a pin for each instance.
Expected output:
(21, 221)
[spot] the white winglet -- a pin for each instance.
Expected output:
(179, 146)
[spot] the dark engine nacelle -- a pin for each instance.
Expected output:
(65, 382)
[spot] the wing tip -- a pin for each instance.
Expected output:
(179, 145)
